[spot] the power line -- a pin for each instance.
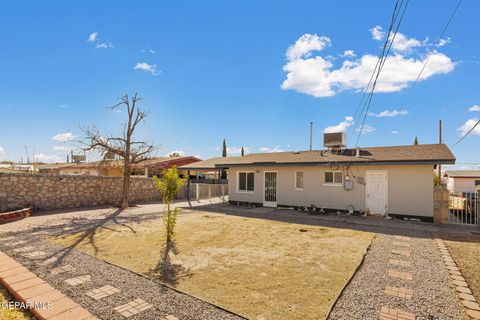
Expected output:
(430, 54)
(466, 134)
(382, 63)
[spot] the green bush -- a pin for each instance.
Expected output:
(169, 185)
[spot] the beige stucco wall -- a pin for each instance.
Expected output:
(410, 188)
(461, 184)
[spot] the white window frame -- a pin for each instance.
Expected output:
(295, 180)
(246, 182)
(333, 184)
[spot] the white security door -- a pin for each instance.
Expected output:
(377, 192)
(270, 189)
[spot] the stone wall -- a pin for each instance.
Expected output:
(49, 191)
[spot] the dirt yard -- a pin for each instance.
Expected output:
(465, 251)
(257, 268)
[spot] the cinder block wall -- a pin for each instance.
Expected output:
(49, 191)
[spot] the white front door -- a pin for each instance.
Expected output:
(377, 192)
(270, 189)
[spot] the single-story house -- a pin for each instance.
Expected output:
(462, 180)
(393, 181)
(114, 168)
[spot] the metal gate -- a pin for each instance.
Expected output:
(270, 189)
(463, 208)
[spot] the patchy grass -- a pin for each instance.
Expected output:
(11, 314)
(465, 250)
(260, 269)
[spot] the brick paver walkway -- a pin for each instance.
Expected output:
(102, 292)
(28, 288)
(133, 307)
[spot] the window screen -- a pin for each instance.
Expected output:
(299, 180)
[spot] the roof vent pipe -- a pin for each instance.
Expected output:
(357, 152)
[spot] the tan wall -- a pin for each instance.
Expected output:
(410, 188)
(462, 184)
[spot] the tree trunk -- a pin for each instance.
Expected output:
(126, 183)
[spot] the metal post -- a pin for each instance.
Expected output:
(311, 129)
(440, 142)
(188, 186)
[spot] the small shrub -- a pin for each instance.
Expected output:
(169, 185)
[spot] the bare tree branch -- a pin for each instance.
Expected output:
(131, 152)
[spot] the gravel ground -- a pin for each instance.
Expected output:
(166, 301)
(362, 298)
(433, 296)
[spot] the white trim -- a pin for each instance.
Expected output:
(295, 180)
(268, 203)
(386, 190)
(246, 183)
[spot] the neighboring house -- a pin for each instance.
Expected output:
(462, 180)
(394, 181)
(114, 168)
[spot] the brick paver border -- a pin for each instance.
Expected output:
(470, 305)
(26, 287)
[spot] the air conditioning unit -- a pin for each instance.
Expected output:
(335, 140)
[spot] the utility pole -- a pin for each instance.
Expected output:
(440, 142)
(311, 128)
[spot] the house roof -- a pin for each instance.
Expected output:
(157, 163)
(413, 154)
(463, 173)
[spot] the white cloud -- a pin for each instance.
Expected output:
(402, 43)
(464, 128)
(388, 113)
(152, 68)
(40, 157)
(474, 108)
(63, 137)
(366, 129)
(62, 148)
(304, 46)
(341, 127)
(92, 37)
(348, 54)
(316, 76)
(443, 42)
(104, 45)
(269, 150)
(377, 33)
(180, 152)
(151, 51)
(2, 153)
(394, 132)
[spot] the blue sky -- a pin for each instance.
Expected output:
(255, 73)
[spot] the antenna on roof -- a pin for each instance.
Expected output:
(311, 128)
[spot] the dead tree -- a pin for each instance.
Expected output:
(130, 151)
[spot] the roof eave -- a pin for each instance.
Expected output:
(338, 163)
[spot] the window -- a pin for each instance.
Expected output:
(246, 181)
(334, 177)
(298, 180)
(477, 182)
